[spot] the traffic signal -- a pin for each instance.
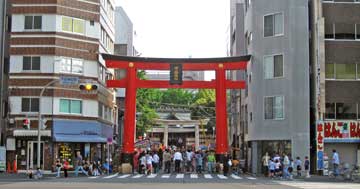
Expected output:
(88, 87)
(26, 123)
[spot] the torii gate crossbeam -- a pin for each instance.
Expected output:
(131, 83)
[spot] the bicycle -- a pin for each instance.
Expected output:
(355, 174)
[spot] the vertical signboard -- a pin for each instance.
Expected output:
(320, 145)
(175, 74)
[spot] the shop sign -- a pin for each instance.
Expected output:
(334, 131)
(348, 130)
(320, 145)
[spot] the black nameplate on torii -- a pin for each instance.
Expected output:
(176, 73)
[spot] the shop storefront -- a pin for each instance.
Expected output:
(343, 136)
(23, 149)
(87, 137)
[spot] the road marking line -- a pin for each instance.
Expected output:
(137, 176)
(208, 176)
(180, 176)
(251, 178)
(194, 176)
(124, 176)
(235, 176)
(222, 176)
(166, 176)
(94, 177)
(152, 176)
(111, 176)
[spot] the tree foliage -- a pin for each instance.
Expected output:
(204, 106)
(200, 103)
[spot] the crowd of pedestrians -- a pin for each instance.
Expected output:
(86, 167)
(181, 161)
(284, 167)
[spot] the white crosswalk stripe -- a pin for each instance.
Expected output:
(152, 176)
(94, 177)
(208, 176)
(137, 176)
(222, 176)
(166, 176)
(235, 176)
(194, 176)
(111, 176)
(124, 176)
(180, 176)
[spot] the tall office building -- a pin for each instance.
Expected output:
(273, 111)
(51, 40)
(335, 73)
(4, 65)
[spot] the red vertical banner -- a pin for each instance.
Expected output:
(320, 145)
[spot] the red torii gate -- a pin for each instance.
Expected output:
(131, 83)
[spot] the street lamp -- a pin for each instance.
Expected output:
(40, 122)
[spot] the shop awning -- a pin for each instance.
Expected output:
(81, 131)
(32, 133)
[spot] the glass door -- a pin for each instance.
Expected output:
(32, 155)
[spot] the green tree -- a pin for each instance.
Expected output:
(145, 113)
(204, 106)
(177, 96)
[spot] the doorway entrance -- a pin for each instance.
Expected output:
(32, 147)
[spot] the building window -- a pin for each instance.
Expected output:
(70, 106)
(273, 25)
(33, 22)
(73, 25)
(100, 112)
(329, 110)
(71, 65)
(249, 38)
(346, 111)
(274, 107)
(344, 31)
(341, 110)
(342, 71)
(273, 66)
(30, 104)
(345, 71)
(102, 74)
(330, 71)
(31, 63)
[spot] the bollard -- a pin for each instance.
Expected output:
(14, 167)
(8, 170)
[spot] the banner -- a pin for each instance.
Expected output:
(320, 145)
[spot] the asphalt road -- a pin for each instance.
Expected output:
(173, 181)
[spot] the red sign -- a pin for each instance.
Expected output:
(342, 129)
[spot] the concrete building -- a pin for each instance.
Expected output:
(274, 109)
(124, 30)
(50, 40)
(4, 65)
(335, 34)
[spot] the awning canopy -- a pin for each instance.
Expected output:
(32, 133)
(81, 131)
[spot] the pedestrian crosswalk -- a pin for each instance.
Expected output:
(174, 176)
